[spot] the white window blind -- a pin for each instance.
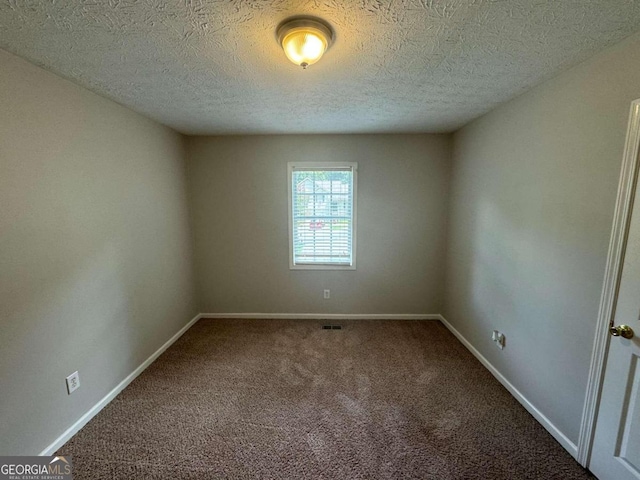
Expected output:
(322, 215)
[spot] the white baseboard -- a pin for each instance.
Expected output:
(93, 411)
(84, 419)
(326, 316)
(571, 447)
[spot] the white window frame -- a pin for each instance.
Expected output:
(291, 166)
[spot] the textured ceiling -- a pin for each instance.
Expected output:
(214, 67)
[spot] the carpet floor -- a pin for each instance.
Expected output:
(285, 399)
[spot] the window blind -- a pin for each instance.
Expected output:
(322, 209)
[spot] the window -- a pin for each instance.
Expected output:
(322, 215)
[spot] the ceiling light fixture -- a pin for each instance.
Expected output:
(304, 39)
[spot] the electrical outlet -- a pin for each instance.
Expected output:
(498, 338)
(327, 294)
(73, 382)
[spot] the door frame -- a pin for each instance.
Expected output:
(613, 271)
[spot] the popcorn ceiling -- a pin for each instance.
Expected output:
(215, 67)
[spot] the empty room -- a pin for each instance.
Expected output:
(319, 239)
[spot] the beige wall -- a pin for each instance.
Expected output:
(238, 193)
(95, 268)
(533, 193)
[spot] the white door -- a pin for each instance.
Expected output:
(615, 454)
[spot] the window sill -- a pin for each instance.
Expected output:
(322, 267)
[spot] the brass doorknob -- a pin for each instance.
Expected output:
(624, 331)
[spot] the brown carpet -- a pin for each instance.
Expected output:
(286, 399)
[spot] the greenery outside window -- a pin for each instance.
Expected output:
(322, 215)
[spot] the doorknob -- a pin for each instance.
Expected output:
(624, 331)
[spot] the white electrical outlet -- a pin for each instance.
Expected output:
(73, 382)
(327, 294)
(498, 338)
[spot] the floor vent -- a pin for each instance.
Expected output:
(332, 327)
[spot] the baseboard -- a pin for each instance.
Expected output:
(93, 411)
(84, 419)
(571, 447)
(326, 316)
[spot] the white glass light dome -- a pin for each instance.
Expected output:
(304, 40)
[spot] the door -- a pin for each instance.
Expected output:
(615, 453)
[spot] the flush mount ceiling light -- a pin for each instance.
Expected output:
(304, 39)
